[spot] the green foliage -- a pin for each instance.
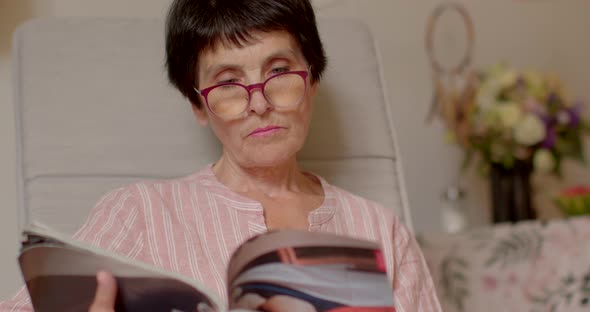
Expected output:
(518, 246)
(454, 280)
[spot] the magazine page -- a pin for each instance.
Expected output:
(305, 271)
(61, 276)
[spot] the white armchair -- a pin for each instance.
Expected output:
(94, 111)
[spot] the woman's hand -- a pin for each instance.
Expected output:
(106, 293)
(280, 303)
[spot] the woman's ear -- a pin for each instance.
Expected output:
(201, 113)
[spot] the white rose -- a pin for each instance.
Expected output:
(508, 78)
(543, 160)
(509, 114)
(530, 130)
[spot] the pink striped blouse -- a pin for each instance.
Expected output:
(193, 224)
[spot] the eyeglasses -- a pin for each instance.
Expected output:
(230, 100)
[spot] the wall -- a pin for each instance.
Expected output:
(543, 34)
(547, 35)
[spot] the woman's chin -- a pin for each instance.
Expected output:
(273, 154)
(268, 159)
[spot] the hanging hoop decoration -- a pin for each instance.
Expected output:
(432, 22)
(454, 85)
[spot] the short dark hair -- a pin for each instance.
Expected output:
(193, 26)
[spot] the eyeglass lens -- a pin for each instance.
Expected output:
(282, 91)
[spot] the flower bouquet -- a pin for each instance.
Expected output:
(521, 117)
(516, 122)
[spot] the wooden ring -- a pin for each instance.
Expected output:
(439, 10)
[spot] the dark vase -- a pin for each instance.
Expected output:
(511, 192)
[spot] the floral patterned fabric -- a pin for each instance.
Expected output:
(529, 266)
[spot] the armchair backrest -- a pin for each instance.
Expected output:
(95, 111)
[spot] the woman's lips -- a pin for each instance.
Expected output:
(265, 131)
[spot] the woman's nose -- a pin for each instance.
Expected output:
(258, 103)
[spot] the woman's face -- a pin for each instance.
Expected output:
(262, 136)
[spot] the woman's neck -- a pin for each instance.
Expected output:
(266, 181)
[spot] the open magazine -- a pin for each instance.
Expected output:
(276, 271)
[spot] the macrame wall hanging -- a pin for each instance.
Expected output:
(454, 84)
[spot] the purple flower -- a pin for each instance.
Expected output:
(547, 119)
(574, 114)
(550, 138)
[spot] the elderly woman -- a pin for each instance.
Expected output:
(250, 68)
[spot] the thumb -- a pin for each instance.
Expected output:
(106, 293)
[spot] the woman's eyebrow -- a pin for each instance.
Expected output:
(221, 67)
(286, 53)
(283, 53)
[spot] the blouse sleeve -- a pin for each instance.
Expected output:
(114, 224)
(413, 287)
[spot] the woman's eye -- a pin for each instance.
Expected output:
(278, 70)
(232, 80)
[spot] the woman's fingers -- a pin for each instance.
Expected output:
(106, 293)
(280, 303)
